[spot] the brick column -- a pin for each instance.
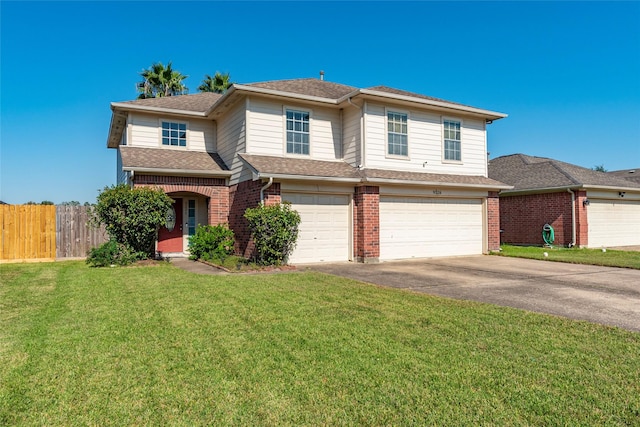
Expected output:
(366, 224)
(493, 221)
(582, 225)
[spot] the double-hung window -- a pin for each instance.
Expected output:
(297, 132)
(397, 144)
(452, 142)
(174, 134)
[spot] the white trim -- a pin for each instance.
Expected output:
(407, 113)
(135, 107)
(206, 172)
(451, 119)
(309, 111)
(179, 122)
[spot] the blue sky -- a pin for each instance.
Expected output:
(567, 73)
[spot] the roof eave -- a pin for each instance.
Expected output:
(435, 184)
(608, 187)
(526, 191)
(123, 106)
(205, 172)
(490, 115)
(289, 177)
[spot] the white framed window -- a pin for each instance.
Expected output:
(297, 125)
(452, 145)
(174, 134)
(397, 134)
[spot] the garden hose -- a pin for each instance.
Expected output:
(547, 234)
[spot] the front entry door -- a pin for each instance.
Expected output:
(170, 240)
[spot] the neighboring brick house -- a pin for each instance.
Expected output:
(586, 208)
(375, 173)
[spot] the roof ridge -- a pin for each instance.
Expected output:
(557, 164)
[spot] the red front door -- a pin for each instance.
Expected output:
(171, 240)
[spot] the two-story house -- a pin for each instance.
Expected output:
(376, 173)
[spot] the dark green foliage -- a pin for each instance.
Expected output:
(275, 232)
(132, 217)
(112, 253)
(211, 242)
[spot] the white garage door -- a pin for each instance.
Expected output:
(324, 227)
(613, 223)
(422, 227)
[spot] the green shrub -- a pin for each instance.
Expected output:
(112, 253)
(275, 231)
(132, 216)
(211, 242)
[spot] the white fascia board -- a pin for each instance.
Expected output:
(492, 115)
(178, 171)
(288, 177)
(608, 187)
(133, 107)
(280, 93)
(540, 190)
(434, 184)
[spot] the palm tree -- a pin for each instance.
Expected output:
(219, 83)
(159, 81)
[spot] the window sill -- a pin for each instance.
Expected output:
(397, 157)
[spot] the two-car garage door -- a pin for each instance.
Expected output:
(430, 227)
(613, 222)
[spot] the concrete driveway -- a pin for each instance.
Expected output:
(606, 295)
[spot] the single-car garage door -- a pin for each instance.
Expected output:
(613, 222)
(426, 227)
(324, 227)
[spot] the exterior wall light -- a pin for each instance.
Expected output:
(586, 202)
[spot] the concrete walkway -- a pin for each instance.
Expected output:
(195, 266)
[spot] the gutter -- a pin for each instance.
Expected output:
(573, 218)
(264, 187)
(133, 107)
(433, 183)
(178, 171)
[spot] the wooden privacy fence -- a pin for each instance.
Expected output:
(74, 234)
(46, 232)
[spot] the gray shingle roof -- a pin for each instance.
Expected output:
(198, 102)
(311, 87)
(167, 159)
(411, 94)
(268, 165)
(530, 173)
(632, 175)
(301, 167)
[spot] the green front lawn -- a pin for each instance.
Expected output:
(156, 345)
(610, 258)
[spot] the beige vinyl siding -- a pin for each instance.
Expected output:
(266, 134)
(351, 138)
(231, 139)
(122, 177)
(425, 143)
(145, 132)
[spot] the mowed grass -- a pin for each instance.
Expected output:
(610, 258)
(156, 345)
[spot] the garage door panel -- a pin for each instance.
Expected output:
(424, 227)
(613, 222)
(324, 227)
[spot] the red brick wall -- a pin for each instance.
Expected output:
(582, 229)
(242, 196)
(366, 224)
(522, 217)
(493, 221)
(213, 188)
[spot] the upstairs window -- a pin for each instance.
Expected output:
(452, 141)
(174, 134)
(297, 132)
(397, 134)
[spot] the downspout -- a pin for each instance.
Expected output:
(362, 133)
(264, 187)
(573, 218)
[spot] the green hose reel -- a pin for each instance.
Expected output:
(547, 234)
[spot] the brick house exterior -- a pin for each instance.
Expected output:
(363, 167)
(586, 208)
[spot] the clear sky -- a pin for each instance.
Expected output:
(568, 74)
